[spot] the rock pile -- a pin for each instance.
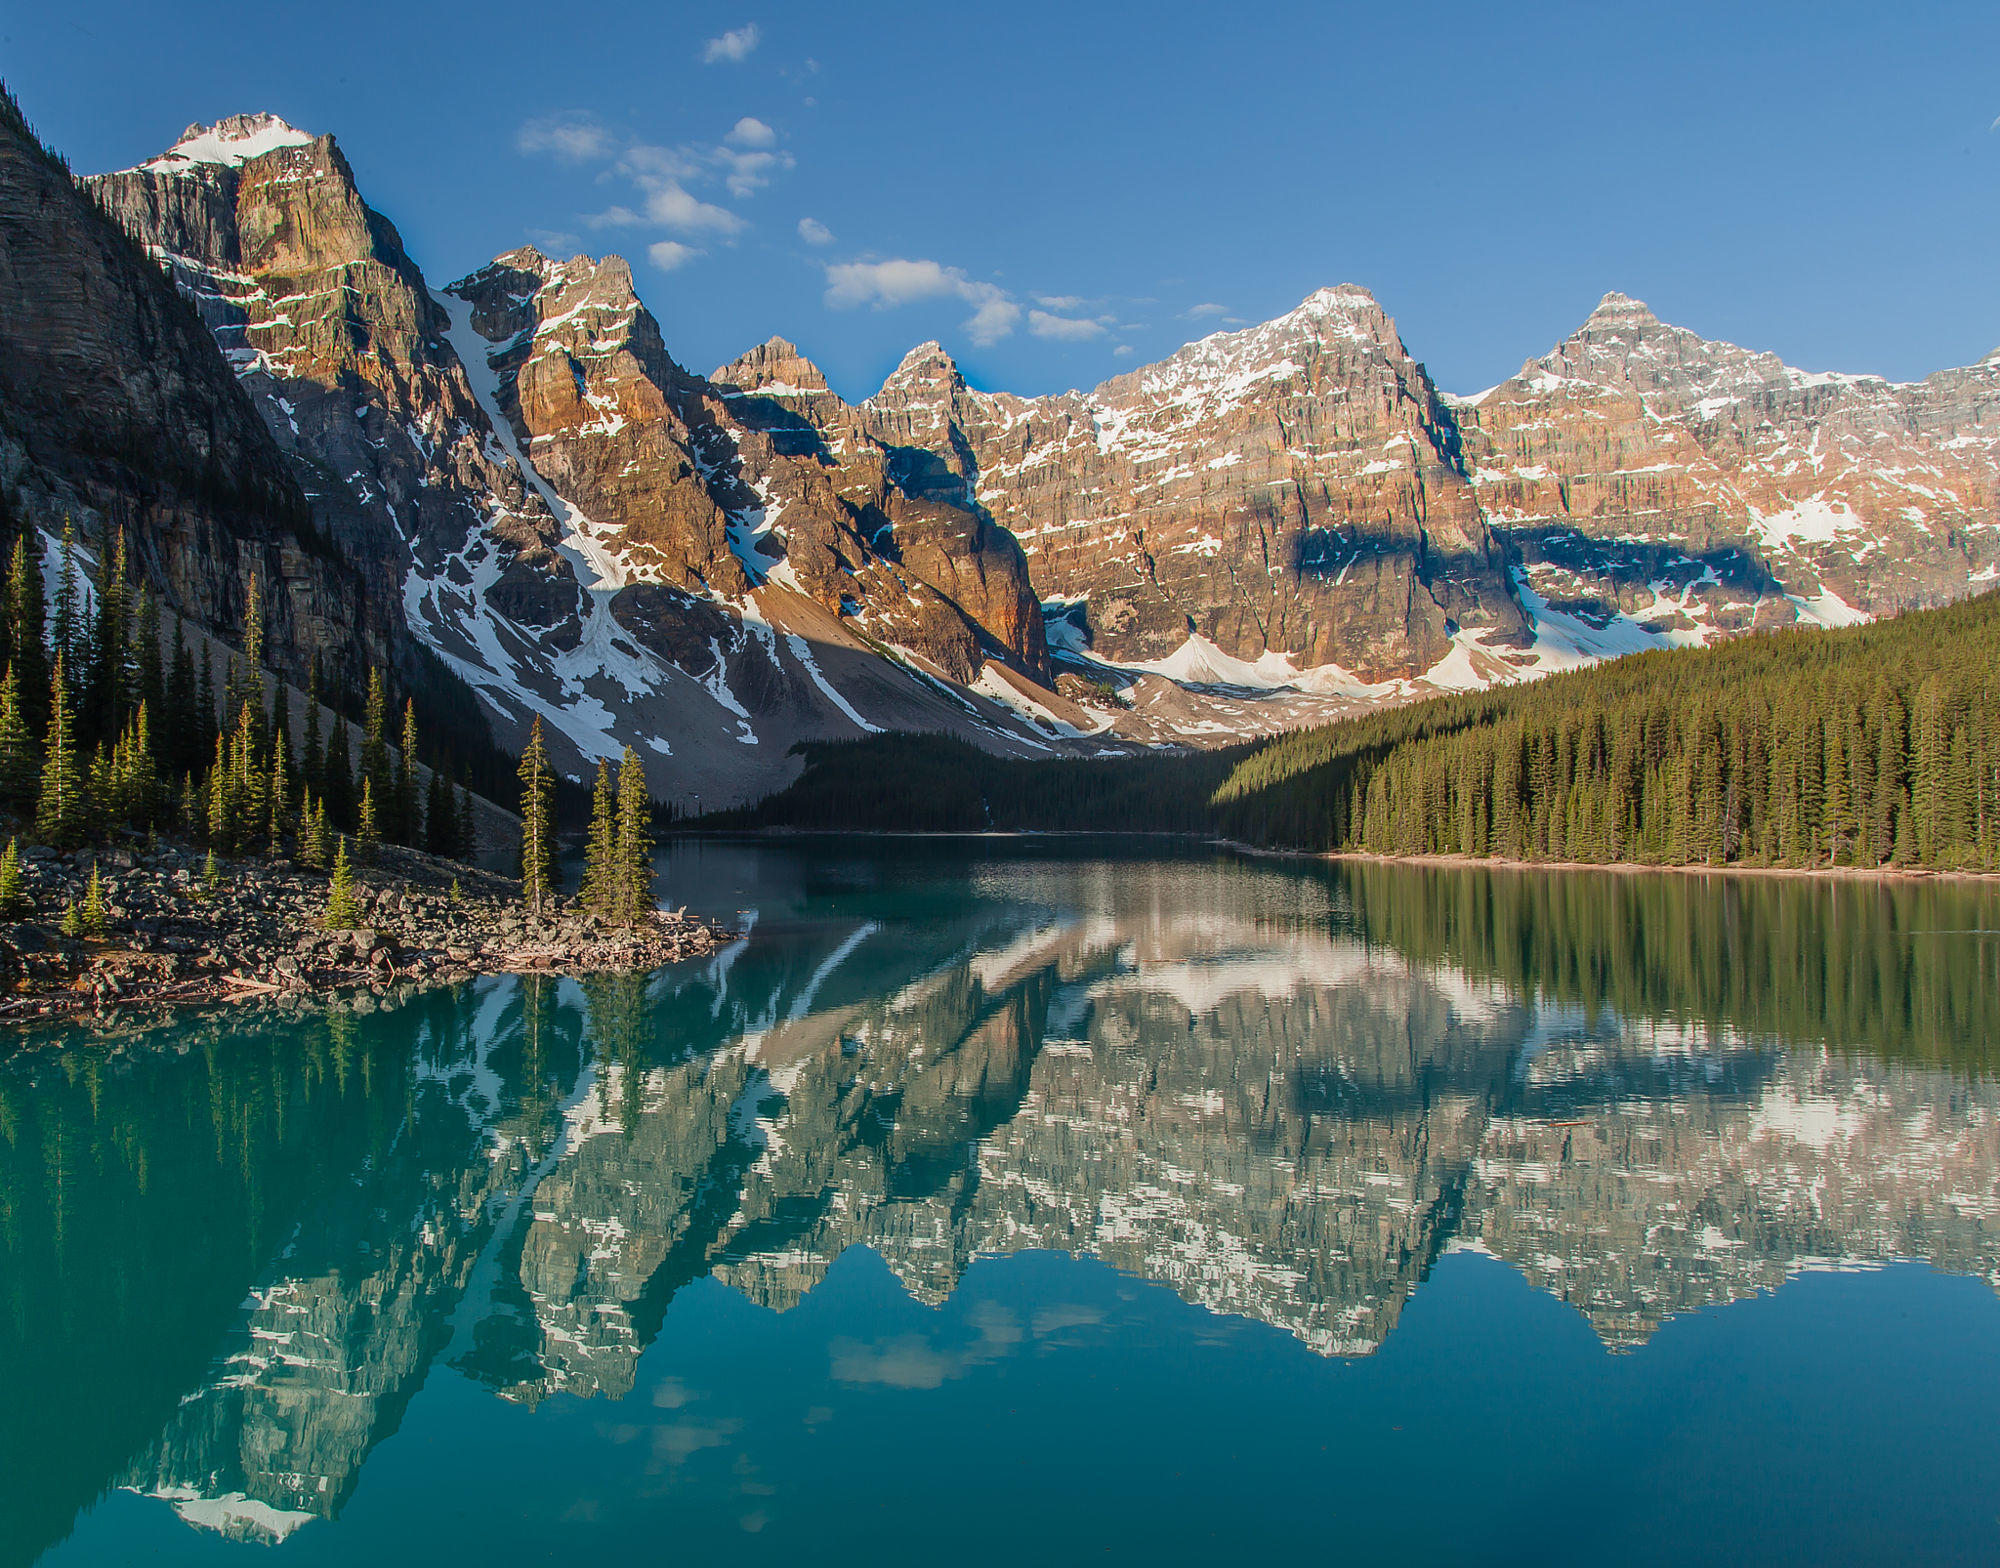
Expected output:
(259, 931)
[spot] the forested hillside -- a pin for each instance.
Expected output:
(1870, 746)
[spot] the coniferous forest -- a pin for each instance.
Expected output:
(109, 726)
(1867, 747)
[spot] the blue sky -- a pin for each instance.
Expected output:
(1061, 191)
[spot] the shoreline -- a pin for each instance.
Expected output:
(1462, 862)
(257, 935)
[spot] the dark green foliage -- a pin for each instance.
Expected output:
(26, 618)
(538, 847)
(1870, 746)
(632, 875)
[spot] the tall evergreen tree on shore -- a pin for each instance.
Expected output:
(538, 856)
(409, 828)
(634, 860)
(600, 893)
(20, 757)
(60, 809)
(27, 616)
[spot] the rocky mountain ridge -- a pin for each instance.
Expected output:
(1270, 527)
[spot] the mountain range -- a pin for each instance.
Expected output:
(509, 482)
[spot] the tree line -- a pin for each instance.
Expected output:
(1872, 746)
(104, 727)
(1866, 747)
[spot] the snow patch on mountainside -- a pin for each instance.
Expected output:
(229, 143)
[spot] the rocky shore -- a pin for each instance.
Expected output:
(258, 932)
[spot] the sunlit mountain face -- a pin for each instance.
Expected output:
(1190, 1099)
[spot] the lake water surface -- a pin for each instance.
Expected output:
(1001, 1202)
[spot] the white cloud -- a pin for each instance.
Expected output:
(1195, 312)
(553, 242)
(574, 136)
(614, 218)
(749, 171)
(752, 132)
(669, 254)
(669, 204)
(1122, 351)
(1064, 329)
(884, 284)
(733, 46)
(813, 232)
(1059, 301)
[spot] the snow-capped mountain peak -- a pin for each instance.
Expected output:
(229, 142)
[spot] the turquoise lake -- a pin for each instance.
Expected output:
(1003, 1201)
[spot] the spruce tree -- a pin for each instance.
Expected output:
(20, 757)
(183, 730)
(337, 777)
(13, 886)
(599, 894)
(107, 679)
(149, 671)
(63, 632)
(26, 616)
(375, 744)
(409, 830)
(96, 918)
(538, 858)
(343, 910)
(60, 809)
(367, 833)
(635, 842)
(312, 761)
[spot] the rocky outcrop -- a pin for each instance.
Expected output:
(117, 411)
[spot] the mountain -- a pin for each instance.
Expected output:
(1642, 471)
(1269, 528)
(118, 412)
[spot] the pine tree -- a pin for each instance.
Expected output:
(337, 777)
(375, 744)
(183, 729)
(96, 919)
(149, 671)
(60, 809)
(635, 842)
(26, 617)
(343, 910)
(408, 829)
(20, 760)
(64, 631)
(206, 725)
(280, 796)
(599, 894)
(367, 835)
(312, 763)
(13, 888)
(108, 677)
(538, 856)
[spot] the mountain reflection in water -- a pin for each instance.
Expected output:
(234, 1250)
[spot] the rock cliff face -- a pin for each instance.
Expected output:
(1292, 489)
(716, 488)
(118, 411)
(1698, 487)
(332, 332)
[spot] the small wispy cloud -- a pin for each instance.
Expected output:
(1063, 329)
(669, 254)
(574, 136)
(752, 132)
(887, 284)
(1059, 301)
(813, 232)
(732, 47)
(553, 242)
(1122, 351)
(1196, 312)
